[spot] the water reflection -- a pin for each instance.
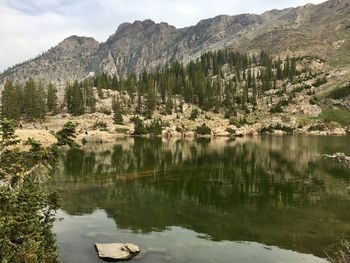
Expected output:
(271, 190)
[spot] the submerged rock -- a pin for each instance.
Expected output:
(117, 251)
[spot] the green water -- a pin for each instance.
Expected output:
(265, 199)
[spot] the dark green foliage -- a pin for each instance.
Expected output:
(11, 101)
(203, 130)
(278, 107)
(151, 96)
(117, 112)
(88, 95)
(74, 99)
(194, 114)
(180, 129)
(52, 99)
(26, 218)
(169, 106)
(231, 131)
(340, 116)
(319, 82)
(280, 127)
(238, 122)
(201, 82)
(105, 110)
(313, 100)
(66, 135)
(155, 127)
(27, 210)
(100, 125)
(7, 133)
(317, 127)
(34, 100)
(340, 92)
(122, 130)
(139, 127)
(41, 101)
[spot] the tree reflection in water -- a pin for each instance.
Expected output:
(271, 190)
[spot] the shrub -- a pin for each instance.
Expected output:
(238, 122)
(231, 131)
(319, 82)
(203, 130)
(106, 111)
(317, 127)
(139, 127)
(155, 127)
(340, 116)
(28, 207)
(313, 100)
(122, 130)
(278, 107)
(26, 219)
(279, 127)
(194, 114)
(340, 93)
(180, 129)
(67, 135)
(100, 125)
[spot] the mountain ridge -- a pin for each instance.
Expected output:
(146, 45)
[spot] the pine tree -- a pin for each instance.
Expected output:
(139, 104)
(52, 99)
(169, 105)
(287, 68)
(74, 99)
(40, 101)
(11, 101)
(29, 99)
(117, 112)
(255, 90)
(151, 97)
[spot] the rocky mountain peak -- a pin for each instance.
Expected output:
(145, 44)
(79, 39)
(78, 42)
(138, 27)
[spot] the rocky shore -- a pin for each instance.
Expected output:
(99, 127)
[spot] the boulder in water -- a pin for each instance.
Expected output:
(117, 251)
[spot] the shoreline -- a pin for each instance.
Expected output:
(46, 137)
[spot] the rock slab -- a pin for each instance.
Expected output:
(117, 251)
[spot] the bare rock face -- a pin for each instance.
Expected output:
(117, 251)
(146, 45)
(67, 61)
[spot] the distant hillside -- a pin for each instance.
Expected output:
(322, 30)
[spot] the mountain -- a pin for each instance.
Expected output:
(321, 30)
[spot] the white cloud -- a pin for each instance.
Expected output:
(30, 27)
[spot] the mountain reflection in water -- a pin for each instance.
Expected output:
(269, 190)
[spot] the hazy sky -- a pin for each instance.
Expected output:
(30, 27)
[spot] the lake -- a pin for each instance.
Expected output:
(263, 199)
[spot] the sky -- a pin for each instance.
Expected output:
(30, 27)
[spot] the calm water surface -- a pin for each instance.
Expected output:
(266, 199)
